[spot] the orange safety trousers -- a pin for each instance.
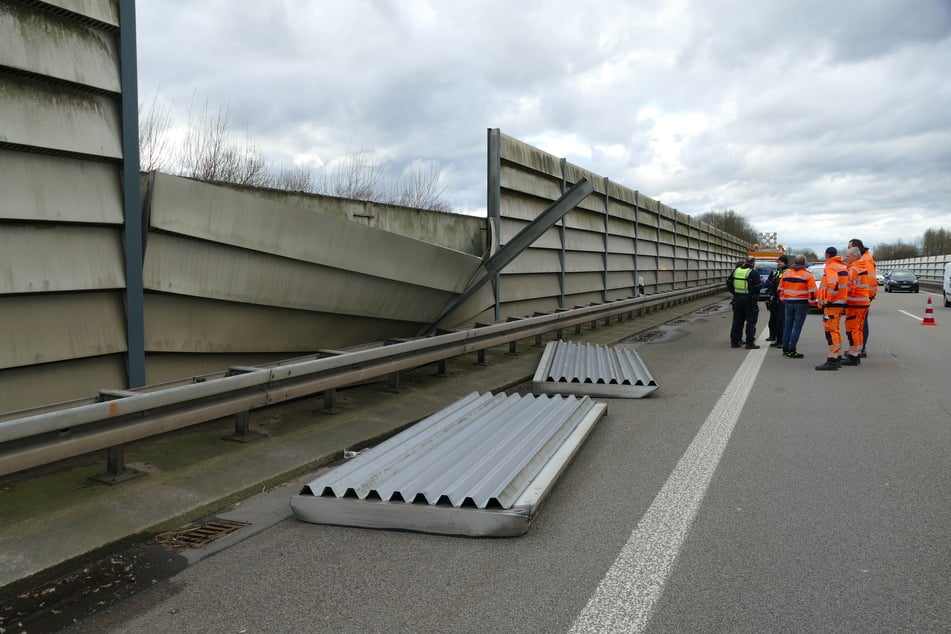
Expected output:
(854, 324)
(832, 324)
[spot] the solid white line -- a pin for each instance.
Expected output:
(910, 315)
(625, 598)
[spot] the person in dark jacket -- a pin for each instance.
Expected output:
(743, 284)
(773, 305)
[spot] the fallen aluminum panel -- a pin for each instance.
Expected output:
(480, 467)
(592, 370)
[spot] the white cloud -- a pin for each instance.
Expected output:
(813, 119)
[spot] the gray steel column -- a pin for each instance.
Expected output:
(562, 234)
(637, 211)
(132, 238)
(494, 206)
(607, 213)
(675, 251)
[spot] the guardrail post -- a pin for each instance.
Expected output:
(578, 326)
(242, 420)
(116, 471)
(538, 337)
(393, 379)
(594, 322)
(559, 332)
(480, 354)
(513, 345)
(393, 382)
(330, 401)
(442, 366)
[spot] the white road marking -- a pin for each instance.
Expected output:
(910, 315)
(625, 598)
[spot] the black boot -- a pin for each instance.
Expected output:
(830, 364)
(851, 360)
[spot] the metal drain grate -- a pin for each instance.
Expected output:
(642, 337)
(198, 535)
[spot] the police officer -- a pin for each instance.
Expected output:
(743, 284)
(775, 307)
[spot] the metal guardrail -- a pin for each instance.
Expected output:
(128, 415)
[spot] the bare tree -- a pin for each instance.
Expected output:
(810, 255)
(422, 190)
(729, 221)
(895, 251)
(299, 178)
(155, 149)
(357, 176)
(209, 151)
(201, 151)
(244, 165)
(936, 242)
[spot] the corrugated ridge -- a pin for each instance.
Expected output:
(481, 451)
(589, 363)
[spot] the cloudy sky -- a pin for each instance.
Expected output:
(818, 120)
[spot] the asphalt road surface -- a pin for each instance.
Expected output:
(749, 493)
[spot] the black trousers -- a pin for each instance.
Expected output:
(745, 311)
(777, 319)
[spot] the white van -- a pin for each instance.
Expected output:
(947, 285)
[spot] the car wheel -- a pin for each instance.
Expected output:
(947, 302)
(916, 290)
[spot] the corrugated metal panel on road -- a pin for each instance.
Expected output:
(478, 467)
(607, 371)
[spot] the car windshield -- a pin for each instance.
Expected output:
(764, 269)
(903, 276)
(817, 270)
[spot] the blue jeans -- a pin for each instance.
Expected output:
(795, 317)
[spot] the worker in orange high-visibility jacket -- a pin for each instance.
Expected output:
(832, 296)
(867, 261)
(856, 305)
(797, 288)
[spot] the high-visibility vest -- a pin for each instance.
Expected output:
(741, 283)
(834, 289)
(858, 285)
(797, 285)
(868, 263)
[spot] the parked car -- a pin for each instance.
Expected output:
(901, 280)
(880, 278)
(764, 268)
(946, 285)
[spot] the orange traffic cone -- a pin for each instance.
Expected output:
(929, 315)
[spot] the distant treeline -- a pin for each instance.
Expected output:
(933, 242)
